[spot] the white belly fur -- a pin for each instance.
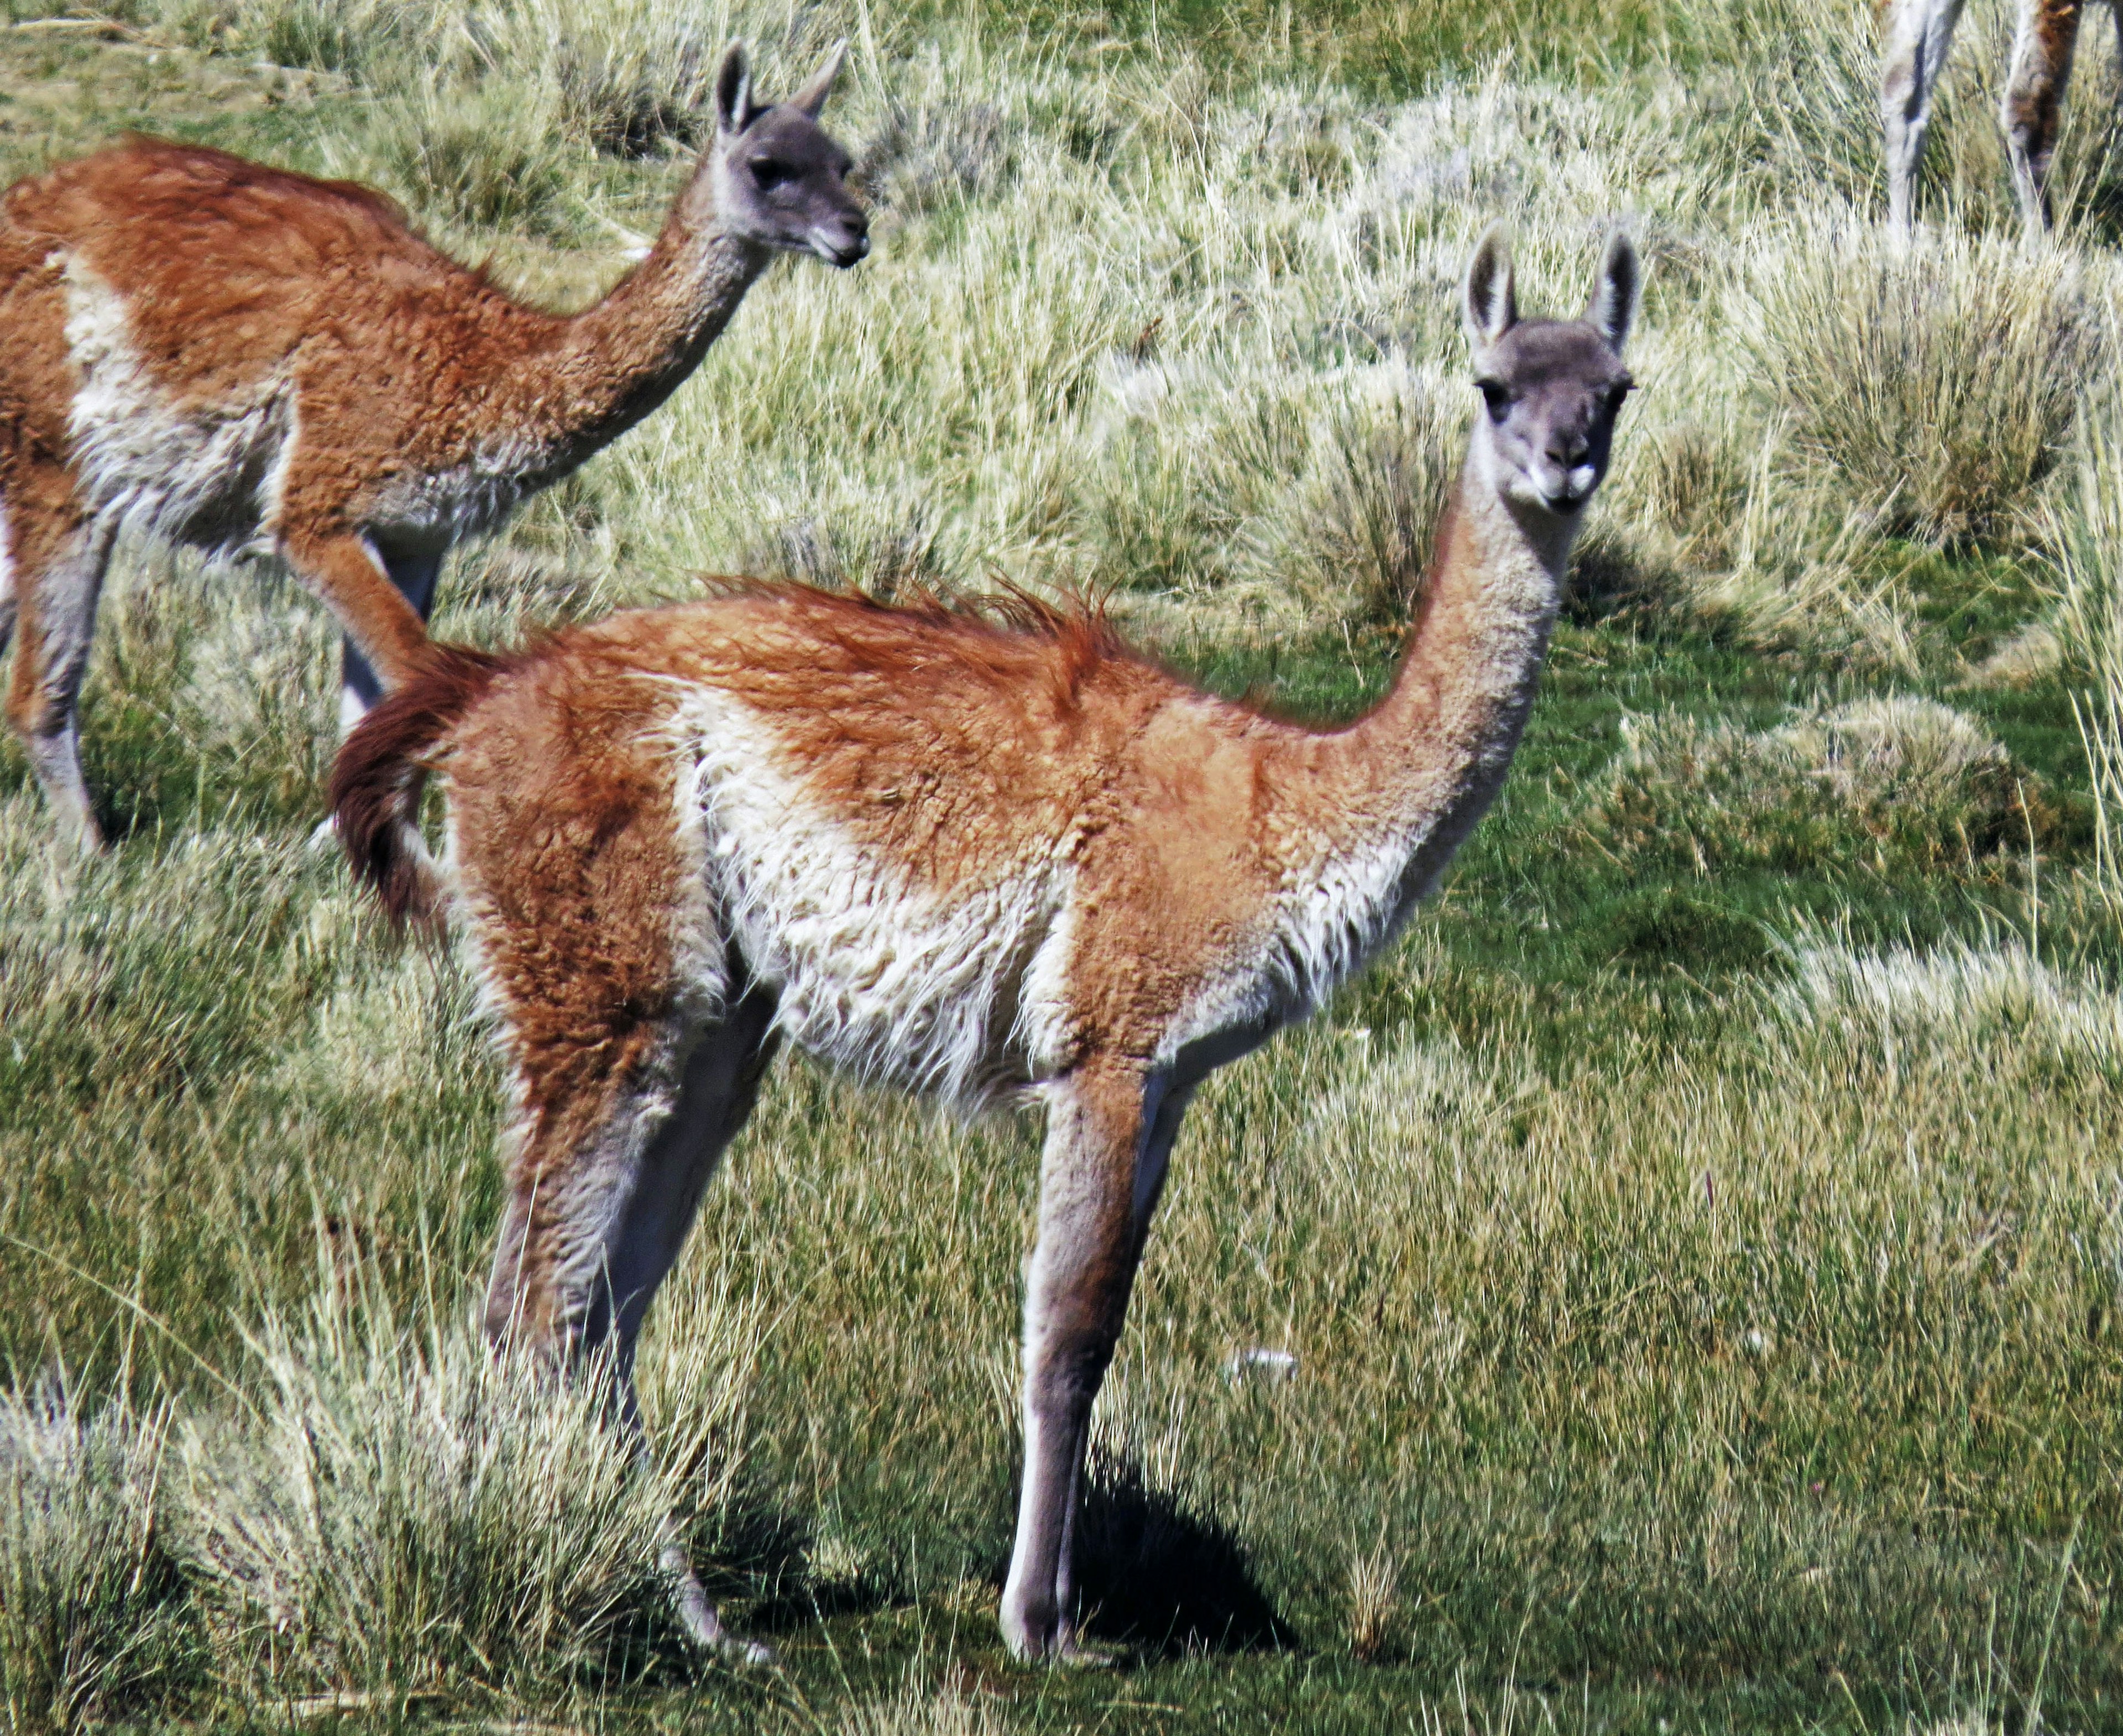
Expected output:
(962, 998)
(208, 475)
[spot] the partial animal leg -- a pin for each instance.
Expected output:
(414, 574)
(1099, 1181)
(56, 558)
(347, 574)
(591, 1233)
(1162, 1109)
(1918, 33)
(2032, 110)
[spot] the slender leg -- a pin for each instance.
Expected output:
(8, 605)
(2032, 110)
(1099, 1181)
(1162, 1109)
(349, 577)
(414, 574)
(1918, 33)
(590, 1234)
(55, 563)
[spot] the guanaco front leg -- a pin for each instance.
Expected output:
(347, 574)
(1108, 1138)
(1918, 33)
(415, 572)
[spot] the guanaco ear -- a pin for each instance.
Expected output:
(733, 109)
(1615, 296)
(811, 98)
(1491, 305)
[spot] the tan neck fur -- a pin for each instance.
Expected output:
(1410, 779)
(612, 364)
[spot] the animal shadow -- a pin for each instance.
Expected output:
(1156, 1577)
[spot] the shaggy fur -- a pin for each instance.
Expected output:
(252, 362)
(984, 861)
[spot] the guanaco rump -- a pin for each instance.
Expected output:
(1918, 33)
(984, 857)
(252, 362)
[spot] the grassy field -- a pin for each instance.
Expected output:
(1700, 1243)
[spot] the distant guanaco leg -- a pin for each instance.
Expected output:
(252, 362)
(986, 861)
(1918, 33)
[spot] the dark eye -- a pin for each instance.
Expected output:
(1618, 392)
(770, 174)
(1496, 396)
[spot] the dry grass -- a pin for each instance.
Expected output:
(89, 1619)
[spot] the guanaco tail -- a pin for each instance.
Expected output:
(984, 857)
(254, 362)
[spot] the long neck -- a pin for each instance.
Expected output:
(611, 364)
(1407, 782)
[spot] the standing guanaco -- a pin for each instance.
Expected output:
(252, 362)
(983, 859)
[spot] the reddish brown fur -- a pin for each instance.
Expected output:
(377, 778)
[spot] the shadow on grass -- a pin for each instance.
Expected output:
(1155, 1576)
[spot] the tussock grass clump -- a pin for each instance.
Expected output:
(631, 76)
(2003, 997)
(90, 1621)
(1382, 467)
(1899, 784)
(917, 1711)
(1933, 379)
(411, 1513)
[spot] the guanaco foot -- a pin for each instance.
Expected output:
(703, 1626)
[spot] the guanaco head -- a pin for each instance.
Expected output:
(1550, 388)
(780, 179)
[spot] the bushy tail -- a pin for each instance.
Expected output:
(377, 778)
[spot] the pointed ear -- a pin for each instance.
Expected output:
(733, 91)
(1615, 296)
(811, 98)
(1491, 305)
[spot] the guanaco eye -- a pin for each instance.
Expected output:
(1496, 396)
(770, 174)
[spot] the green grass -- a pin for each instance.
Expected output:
(1700, 1240)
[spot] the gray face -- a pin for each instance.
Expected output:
(1551, 389)
(780, 178)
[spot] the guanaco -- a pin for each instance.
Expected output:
(1918, 33)
(986, 858)
(252, 362)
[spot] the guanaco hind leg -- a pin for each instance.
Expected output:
(2032, 109)
(55, 558)
(1918, 33)
(1109, 1133)
(594, 1225)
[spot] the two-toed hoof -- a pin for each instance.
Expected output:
(1032, 1636)
(745, 1653)
(1032, 1640)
